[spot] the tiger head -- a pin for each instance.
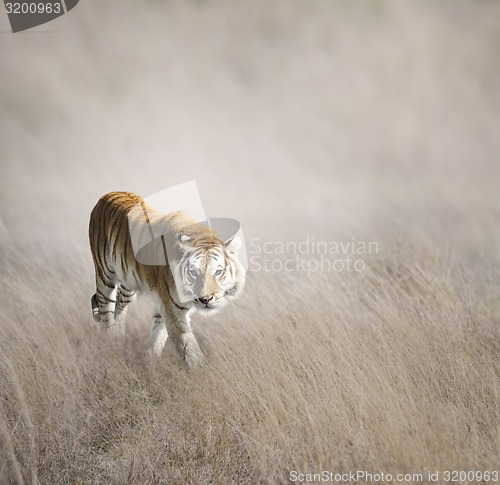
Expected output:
(209, 269)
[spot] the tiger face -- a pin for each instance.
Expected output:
(209, 271)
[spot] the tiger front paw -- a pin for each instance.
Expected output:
(190, 350)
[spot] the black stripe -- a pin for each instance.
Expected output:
(106, 267)
(125, 300)
(108, 284)
(105, 297)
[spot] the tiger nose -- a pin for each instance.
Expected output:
(206, 301)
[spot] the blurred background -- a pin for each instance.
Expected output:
(376, 120)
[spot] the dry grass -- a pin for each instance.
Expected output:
(300, 119)
(394, 370)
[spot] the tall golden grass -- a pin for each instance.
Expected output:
(392, 370)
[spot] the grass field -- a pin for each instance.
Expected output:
(377, 122)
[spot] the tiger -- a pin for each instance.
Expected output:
(208, 267)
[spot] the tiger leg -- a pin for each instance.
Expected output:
(157, 336)
(123, 298)
(105, 297)
(185, 341)
(95, 308)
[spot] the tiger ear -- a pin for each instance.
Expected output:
(184, 241)
(233, 245)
